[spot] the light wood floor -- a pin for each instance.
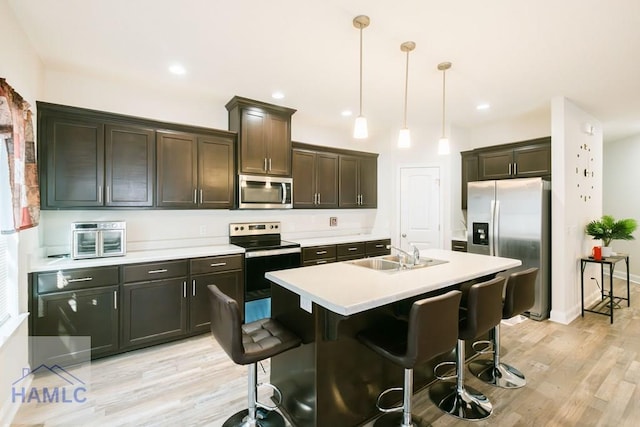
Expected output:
(583, 374)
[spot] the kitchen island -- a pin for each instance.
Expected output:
(332, 379)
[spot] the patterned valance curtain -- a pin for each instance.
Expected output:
(19, 191)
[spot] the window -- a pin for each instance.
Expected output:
(4, 278)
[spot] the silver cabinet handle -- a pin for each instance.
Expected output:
(184, 289)
(195, 192)
(115, 300)
(218, 264)
(201, 196)
(321, 262)
(269, 163)
(108, 194)
(193, 288)
(265, 164)
(321, 252)
(99, 193)
(82, 279)
(352, 249)
(509, 168)
(379, 246)
(162, 270)
(515, 169)
(318, 198)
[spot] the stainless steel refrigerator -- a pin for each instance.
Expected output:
(511, 218)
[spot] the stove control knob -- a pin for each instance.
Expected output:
(242, 228)
(276, 226)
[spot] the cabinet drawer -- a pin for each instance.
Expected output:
(68, 280)
(216, 263)
(318, 252)
(377, 247)
(459, 245)
(154, 271)
(351, 250)
(319, 261)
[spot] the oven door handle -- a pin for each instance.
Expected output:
(271, 252)
(284, 193)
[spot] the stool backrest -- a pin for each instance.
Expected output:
(433, 327)
(520, 292)
(483, 308)
(226, 323)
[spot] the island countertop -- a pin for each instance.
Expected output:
(347, 289)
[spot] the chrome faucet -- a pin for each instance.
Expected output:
(414, 258)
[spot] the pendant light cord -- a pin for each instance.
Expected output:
(406, 90)
(444, 72)
(360, 71)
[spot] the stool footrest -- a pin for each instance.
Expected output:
(444, 377)
(278, 402)
(487, 349)
(384, 393)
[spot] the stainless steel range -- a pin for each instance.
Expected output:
(264, 251)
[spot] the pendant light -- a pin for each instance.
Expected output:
(360, 129)
(443, 143)
(404, 138)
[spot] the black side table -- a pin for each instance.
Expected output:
(604, 307)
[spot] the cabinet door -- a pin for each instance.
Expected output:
(230, 283)
(89, 312)
(349, 194)
(304, 179)
(176, 170)
(253, 145)
(215, 172)
(469, 174)
(154, 311)
(495, 164)
(278, 142)
(75, 162)
(326, 180)
(368, 185)
(534, 160)
(130, 163)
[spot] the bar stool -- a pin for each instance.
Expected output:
(519, 296)
(246, 345)
(431, 330)
(480, 311)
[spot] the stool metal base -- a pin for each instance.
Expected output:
(394, 419)
(264, 418)
(504, 376)
(468, 404)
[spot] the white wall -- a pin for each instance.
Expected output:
(621, 177)
(22, 69)
(576, 200)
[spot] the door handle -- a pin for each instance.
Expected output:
(404, 234)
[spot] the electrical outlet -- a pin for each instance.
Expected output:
(333, 221)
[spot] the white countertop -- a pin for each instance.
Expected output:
(48, 264)
(336, 240)
(347, 289)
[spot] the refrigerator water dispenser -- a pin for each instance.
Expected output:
(481, 233)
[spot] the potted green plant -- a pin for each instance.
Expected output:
(608, 228)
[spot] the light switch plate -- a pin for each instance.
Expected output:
(333, 221)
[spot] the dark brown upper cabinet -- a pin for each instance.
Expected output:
(528, 159)
(315, 179)
(524, 159)
(87, 162)
(264, 136)
(358, 181)
(195, 171)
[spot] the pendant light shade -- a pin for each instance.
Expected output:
(360, 129)
(443, 143)
(404, 138)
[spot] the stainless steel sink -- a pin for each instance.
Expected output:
(392, 263)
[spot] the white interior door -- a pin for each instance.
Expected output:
(420, 207)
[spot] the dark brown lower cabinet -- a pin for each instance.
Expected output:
(230, 283)
(154, 311)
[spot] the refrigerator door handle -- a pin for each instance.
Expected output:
(496, 229)
(490, 231)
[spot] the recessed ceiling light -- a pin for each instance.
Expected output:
(177, 69)
(277, 95)
(484, 106)
(346, 113)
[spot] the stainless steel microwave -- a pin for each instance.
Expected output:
(264, 192)
(98, 239)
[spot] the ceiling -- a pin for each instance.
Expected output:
(514, 55)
